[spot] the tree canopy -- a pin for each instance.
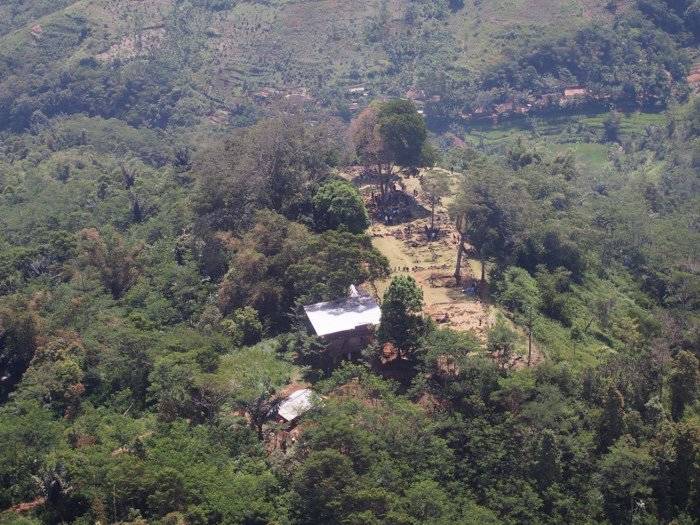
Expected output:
(338, 203)
(177, 185)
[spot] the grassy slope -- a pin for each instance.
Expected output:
(579, 134)
(15, 14)
(486, 30)
(314, 44)
(307, 39)
(57, 45)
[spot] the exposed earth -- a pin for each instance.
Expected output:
(431, 262)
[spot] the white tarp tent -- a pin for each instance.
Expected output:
(296, 404)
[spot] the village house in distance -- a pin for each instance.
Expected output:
(346, 325)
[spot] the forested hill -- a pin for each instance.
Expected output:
(507, 192)
(224, 62)
(16, 15)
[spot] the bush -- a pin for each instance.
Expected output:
(338, 204)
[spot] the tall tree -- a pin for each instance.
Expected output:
(684, 383)
(519, 291)
(435, 185)
(115, 262)
(684, 471)
(612, 424)
(611, 127)
(323, 484)
(386, 134)
(401, 322)
(28, 432)
(502, 341)
(272, 164)
(547, 467)
(490, 212)
(259, 406)
(279, 263)
(461, 225)
(403, 131)
(625, 476)
(17, 346)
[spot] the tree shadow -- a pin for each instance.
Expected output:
(397, 207)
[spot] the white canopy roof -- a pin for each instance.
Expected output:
(343, 315)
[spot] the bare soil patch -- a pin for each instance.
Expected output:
(430, 258)
(694, 77)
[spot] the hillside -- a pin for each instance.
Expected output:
(227, 60)
(304, 39)
(324, 262)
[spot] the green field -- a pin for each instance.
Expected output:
(580, 134)
(559, 128)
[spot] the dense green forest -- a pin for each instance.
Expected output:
(155, 261)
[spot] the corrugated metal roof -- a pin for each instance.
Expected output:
(343, 315)
(297, 404)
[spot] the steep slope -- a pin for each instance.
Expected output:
(179, 64)
(14, 14)
(210, 55)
